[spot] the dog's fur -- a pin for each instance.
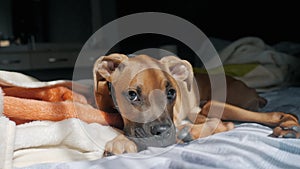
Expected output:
(153, 97)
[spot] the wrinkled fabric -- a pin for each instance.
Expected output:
(246, 146)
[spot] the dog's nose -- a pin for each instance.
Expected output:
(159, 129)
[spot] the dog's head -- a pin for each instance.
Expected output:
(144, 90)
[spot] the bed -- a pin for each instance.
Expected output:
(248, 145)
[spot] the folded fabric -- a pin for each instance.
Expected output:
(25, 110)
(47, 141)
(16, 79)
(67, 140)
(7, 137)
(60, 124)
(28, 99)
(8, 78)
(272, 68)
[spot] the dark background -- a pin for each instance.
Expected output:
(272, 21)
(74, 21)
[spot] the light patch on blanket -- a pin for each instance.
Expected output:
(1, 102)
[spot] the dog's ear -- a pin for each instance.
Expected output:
(106, 65)
(179, 69)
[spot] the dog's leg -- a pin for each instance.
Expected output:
(285, 125)
(206, 127)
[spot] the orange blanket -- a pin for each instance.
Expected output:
(53, 103)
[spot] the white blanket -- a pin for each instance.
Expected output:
(7, 137)
(46, 141)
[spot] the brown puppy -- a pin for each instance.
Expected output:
(158, 101)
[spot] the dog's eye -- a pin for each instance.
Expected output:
(132, 95)
(171, 94)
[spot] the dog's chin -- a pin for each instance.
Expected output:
(164, 139)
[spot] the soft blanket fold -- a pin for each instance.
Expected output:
(48, 141)
(7, 137)
(273, 68)
(67, 140)
(8, 78)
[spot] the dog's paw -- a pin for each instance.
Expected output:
(120, 145)
(287, 125)
(286, 132)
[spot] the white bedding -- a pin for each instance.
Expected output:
(47, 141)
(246, 146)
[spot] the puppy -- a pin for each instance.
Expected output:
(158, 103)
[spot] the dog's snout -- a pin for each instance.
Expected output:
(159, 129)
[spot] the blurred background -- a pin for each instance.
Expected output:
(43, 38)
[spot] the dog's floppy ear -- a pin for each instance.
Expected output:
(179, 69)
(106, 65)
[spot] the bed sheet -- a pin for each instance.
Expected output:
(246, 146)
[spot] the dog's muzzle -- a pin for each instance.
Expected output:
(158, 135)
